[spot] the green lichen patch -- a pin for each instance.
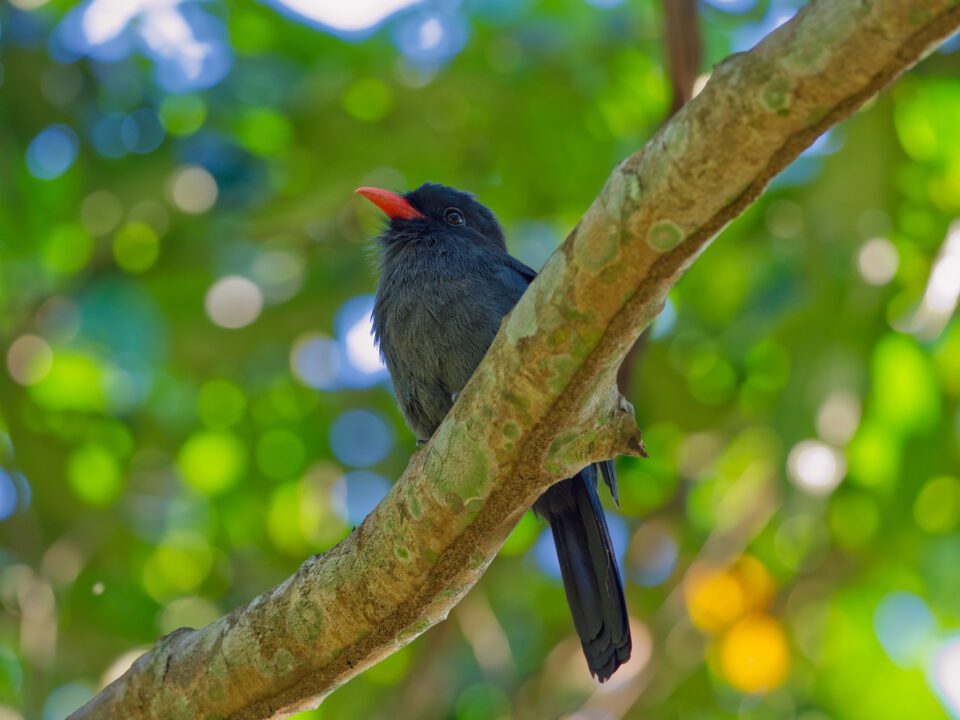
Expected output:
(306, 618)
(218, 666)
(284, 662)
(676, 138)
(614, 193)
(600, 252)
(471, 478)
(777, 94)
(454, 592)
(216, 690)
(808, 56)
(415, 629)
(517, 401)
(453, 501)
(612, 273)
(558, 337)
(664, 235)
(560, 369)
(560, 444)
(473, 506)
(171, 707)
(522, 322)
(510, 429)
(568, 448)
(403, 553)
(413, 504)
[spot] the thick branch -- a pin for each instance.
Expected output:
(548, 376)
(681, 32)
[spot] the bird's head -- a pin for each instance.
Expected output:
(434, 210)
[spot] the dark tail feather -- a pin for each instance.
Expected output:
(589, 568)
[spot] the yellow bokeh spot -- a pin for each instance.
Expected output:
(946, 359)
(178, 565)
(717, 597)
(136, 247)
(95, 475)
(906, 397)
(67, 249)
(391, 669)
(285, 532)
(937, 508)
(211, 462)
(873, 457)
(925, 116)
(523, 535)
(74, 382)
(300, 517)
(264, 131)
(753, 654)
(183, 114)
(714, 599)
(756, 582)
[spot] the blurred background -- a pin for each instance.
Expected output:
(190, 401)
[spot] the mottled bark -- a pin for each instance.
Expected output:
(542, 403)
(681, 31)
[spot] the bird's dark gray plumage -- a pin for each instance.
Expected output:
(446, 283)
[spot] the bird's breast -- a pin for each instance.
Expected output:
(433, 327)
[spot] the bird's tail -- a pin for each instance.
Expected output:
(588, 565)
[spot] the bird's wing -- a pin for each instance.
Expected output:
(524, 271)
(514, 277)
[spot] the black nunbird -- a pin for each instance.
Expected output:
(447, 281)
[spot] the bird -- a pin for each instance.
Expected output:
(446, 283)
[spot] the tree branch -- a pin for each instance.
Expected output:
(548, 376)
(681, 31)
(684, 49)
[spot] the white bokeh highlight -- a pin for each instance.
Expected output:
(815, 468)
(193, 189)
(946, 675)
(362, 352)
(29, 359)
(234, 302)
(838, 417)
(351, 16)
(878, 261)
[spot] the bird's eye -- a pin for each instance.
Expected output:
(453, 217)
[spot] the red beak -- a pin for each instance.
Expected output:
(394, 205)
